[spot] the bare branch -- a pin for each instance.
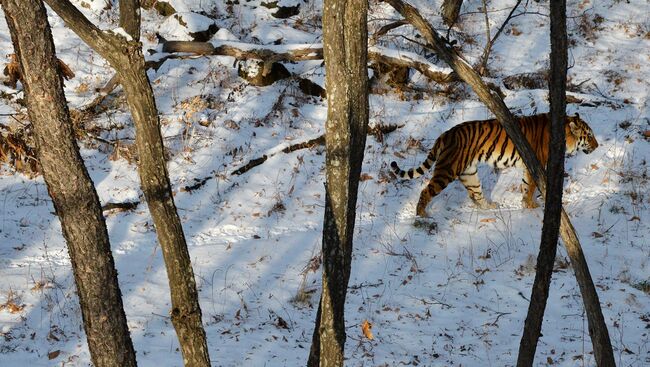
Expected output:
(97, 39)
(376, 54)
(488, 46)
(483, 67)
(385, 29)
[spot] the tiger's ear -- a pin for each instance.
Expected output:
(577, 115)
(573, 126)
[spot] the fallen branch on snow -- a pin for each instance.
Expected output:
(377, 131)
(273, 53)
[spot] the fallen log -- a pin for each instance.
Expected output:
(276, 53)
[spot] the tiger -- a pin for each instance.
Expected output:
(458, 151)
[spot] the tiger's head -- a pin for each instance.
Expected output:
(579, 135)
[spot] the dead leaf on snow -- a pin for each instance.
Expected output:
(366, 328)
(54, 354)
(365, 177)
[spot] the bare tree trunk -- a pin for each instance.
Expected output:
(345, 36)
(555, 181)
(450, 10)
(597, 327)
(127, 59)
(72, 191)
(130, 17)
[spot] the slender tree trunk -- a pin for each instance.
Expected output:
(127, 59)
(72, 191)
(345, 46)
(555, 181)
(597, 327)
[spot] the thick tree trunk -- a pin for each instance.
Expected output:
(555, 181)
(450, 10)
(345, 37)
(127, 59)
(130, 17)
(597, 327)
(72, 191)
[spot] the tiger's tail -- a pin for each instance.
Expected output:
(418, 171)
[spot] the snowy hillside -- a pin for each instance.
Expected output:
(455, 295)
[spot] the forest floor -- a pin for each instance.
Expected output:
(453, 294)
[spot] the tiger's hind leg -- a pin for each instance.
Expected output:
(441, 178)
(528, 189)
(472, 183)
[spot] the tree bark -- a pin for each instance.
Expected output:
(597, 327)
(130, 17)
(127, 59)
(555, 181)
(345, 38)
(450, 10)
(70, 187)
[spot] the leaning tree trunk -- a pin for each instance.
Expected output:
(72, 191)
(345, 47)
(555, 181)
(597, 327)
(127, 59)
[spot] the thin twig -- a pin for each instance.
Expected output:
(483, 68)
(488, 47)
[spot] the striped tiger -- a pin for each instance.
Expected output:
(458, 151)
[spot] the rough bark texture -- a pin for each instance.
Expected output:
(597, 327)
(127, 59)
(450, 10)
(130, 17)
(345, 37)
(555, 180)
(72, 191)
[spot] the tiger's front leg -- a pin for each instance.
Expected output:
(528, 189)
(472, 183)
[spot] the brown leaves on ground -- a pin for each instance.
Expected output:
(12, 71)
(13, 304)
(17, 152)
(366, 329)
(365, 177)
(53, 354)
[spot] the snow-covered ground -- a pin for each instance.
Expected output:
(452, 296)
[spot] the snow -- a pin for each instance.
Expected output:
(120, 31)
(452, 296)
